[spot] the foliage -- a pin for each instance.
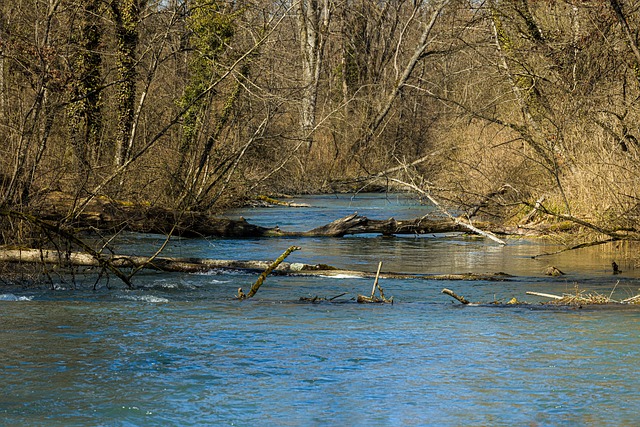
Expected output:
(198, 103)
(209, 32)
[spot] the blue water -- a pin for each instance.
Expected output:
(181, 351)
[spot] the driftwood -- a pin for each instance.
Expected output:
(266, 272)
(111, 215)
(376, 285)
(196, 265)
(540, 294)
(452, 294)
(271, 201)
(166, 264)
(580, 299)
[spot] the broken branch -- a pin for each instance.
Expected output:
(452, 294)
(265, 273)
(540, 294)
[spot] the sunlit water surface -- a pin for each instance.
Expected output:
(179, 350)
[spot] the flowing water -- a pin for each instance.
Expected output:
(179, 350)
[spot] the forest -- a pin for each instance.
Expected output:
(513, 111)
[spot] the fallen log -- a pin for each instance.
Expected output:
(111, 215)
(456, 220)
(358, 224)
(271, 201)
(166, 264)
(70, 237)
(198, 265)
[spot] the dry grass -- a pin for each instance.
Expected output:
(581, 298)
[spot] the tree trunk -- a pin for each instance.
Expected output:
(629, 35)
(3, 94)
(313, 20)
(125, 16)
(167, 264)
(86, 110)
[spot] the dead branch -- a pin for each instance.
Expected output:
(613, 234)
(70, 237)
(457, 221)
(196, 265)
(452, 294)
(529, 217)
(265, 273)
(376, 285)
(540, 294)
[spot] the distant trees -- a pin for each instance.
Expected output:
(193, 103)
(569, 68)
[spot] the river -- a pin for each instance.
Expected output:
(179, 350)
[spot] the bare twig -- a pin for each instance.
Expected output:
(447, 213)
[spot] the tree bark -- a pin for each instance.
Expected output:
(126, 14)
(313, 20)
(166, 264)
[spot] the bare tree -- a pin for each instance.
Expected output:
(314, 17)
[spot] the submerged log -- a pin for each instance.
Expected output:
(317, 299)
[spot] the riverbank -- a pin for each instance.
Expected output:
(286, 225)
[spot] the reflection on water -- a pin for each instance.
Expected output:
(181, 351)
